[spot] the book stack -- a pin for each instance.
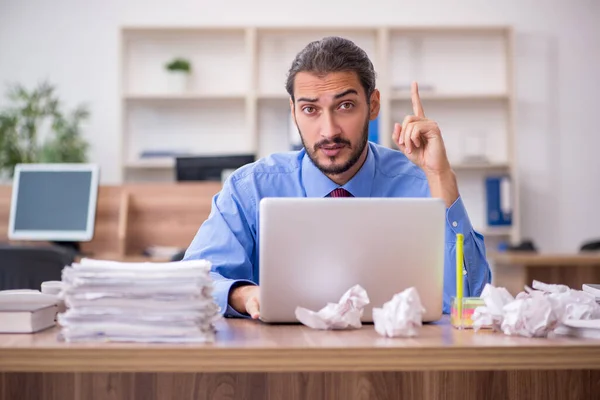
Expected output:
(139, 302)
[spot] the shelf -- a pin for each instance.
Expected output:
(276, 49)
(496, 231)
(405, 96)
(169, 162)
(458, 29)
(273, 96)
(151, 163)
(304, 29)
(185, 97)
(286, 29)
(148, 30)
(480, 166)
(236, 99)
(218, 58)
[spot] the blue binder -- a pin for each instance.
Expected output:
(498, 201)
(374, 130)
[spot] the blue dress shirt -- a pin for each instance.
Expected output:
(228, 237)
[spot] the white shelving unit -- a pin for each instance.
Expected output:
(236, 101)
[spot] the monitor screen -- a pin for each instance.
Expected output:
(54, 202)
(209, 168)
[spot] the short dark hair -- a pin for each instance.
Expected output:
(333, 54)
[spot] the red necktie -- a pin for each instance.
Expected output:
(340, 192)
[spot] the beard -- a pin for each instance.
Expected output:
(337, 169)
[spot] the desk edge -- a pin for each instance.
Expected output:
(206, 360)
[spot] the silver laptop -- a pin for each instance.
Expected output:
(312, 250)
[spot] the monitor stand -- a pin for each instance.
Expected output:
(73, 246)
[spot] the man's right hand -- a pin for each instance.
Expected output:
(244, 299)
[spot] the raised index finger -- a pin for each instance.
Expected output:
(416, 101)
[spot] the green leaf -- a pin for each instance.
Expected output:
(30, 111)
(179, 64)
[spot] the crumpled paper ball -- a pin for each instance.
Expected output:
(569, 303)
(346, 314)
(529, 316)
(492, 314)
(536, 312)
(402, 316)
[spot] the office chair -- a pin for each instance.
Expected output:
(26, 267)
(592, 245)
(526, 245)
(178, 256)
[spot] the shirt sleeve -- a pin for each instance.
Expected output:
(227, 240)
(476, 269)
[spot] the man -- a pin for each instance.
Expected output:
(332, 91)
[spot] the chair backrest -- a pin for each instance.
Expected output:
(591, 245)
(26, 267)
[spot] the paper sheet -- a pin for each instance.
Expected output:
(147, 302)
(346, 314)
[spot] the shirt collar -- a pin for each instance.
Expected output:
(317, 184)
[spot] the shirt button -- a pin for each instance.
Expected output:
(454, 224)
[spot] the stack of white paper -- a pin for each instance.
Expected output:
(142, 302)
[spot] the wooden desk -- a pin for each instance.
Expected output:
(251, 360)
(514, 270)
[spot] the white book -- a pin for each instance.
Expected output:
(26, 317)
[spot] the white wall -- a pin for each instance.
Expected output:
(75, 45)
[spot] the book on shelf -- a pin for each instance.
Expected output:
(146, 154)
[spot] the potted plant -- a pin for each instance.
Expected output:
(179, 71)
(35, 129)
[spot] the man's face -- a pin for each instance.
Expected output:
(332, 114)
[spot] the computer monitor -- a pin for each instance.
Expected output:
(54, 202)
(209, 168)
